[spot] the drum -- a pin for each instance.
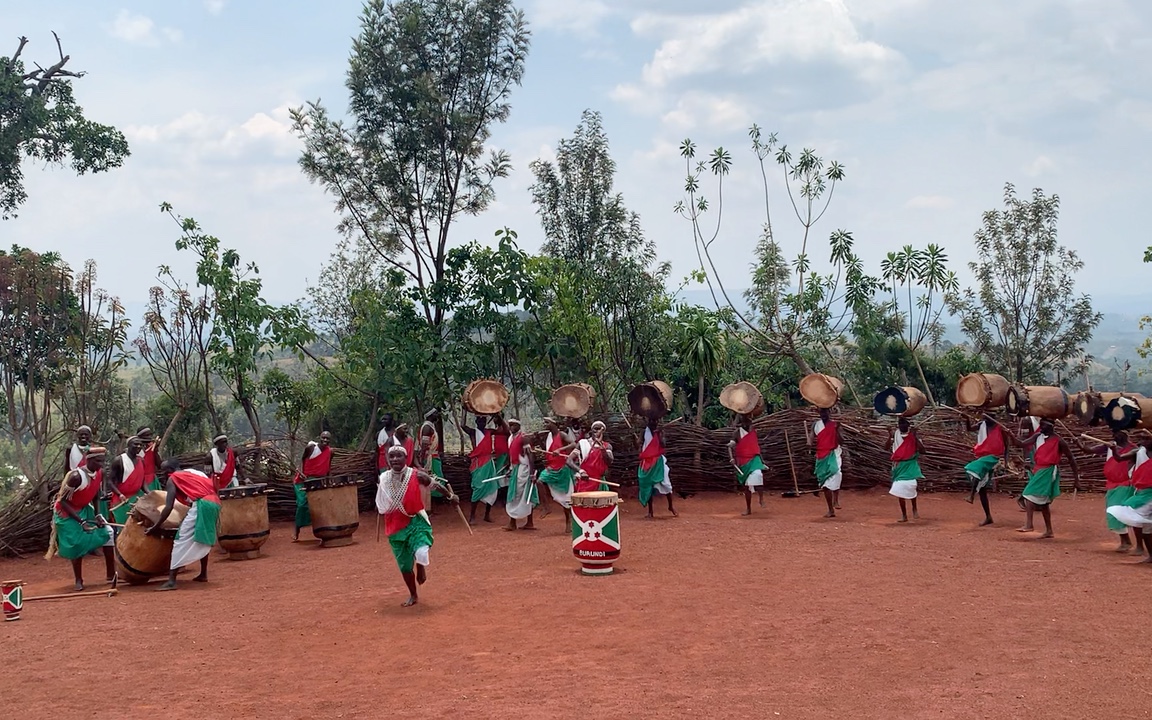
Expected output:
(141, 557)
(1090, 406)
(902, 401)
(982, 390)
(596, 531)
(335, 515)
(1128, 412)
(12, 598)
(243, 520)
(1040, 401)
(821, 390)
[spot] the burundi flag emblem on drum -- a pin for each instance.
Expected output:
(12, 601)
(596, 537)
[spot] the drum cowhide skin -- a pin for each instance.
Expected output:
(335, 513)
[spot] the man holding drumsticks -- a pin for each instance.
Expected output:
(399, 498)
(590, 460)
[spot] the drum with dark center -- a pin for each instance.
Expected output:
(335, 514)
(1090, 406)
(1128, 412)
(1042, 401)
(902, 401)
(596, 531)
(141, 557)
(243, 520)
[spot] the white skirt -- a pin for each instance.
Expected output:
(520, 507)
(186, 550)
(1133, 517)
(1038, 499)
(665, 485)
(833, 483)
(755, 480)
(903, 489)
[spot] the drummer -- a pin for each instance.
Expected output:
(1044, 483)
(150, 458)
(406, 523)
(744, 454)
(652, 474)
(590, 460)
(483, 465)
(523, 496)
(385, 439)
(428, 457)
(124, 475)
(556, 475)
(198, 529)
(905, 445)
(991, 445)
(316, 462)
(825, 438)
(76, 530)
(221, 459)
(74, 454)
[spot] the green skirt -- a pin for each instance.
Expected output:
(303, 513)
(484, 482)
(906, 470)
(756, 463)
(827, 466)
(1043, 486)
(1117, 496)
(405, 542)
(207, 522)
(980, 471)
(120, 512)
(73, 541)
(438, 471)
(648, 480)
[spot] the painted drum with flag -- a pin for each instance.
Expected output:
(596, 531)
(13, 598)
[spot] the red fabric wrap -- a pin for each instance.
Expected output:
(746, 448)
(1048, 454)
(907, 449)
(413, 502)
(992, 445)
(827, 439)
(192, 486)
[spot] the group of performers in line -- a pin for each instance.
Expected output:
(97, 493)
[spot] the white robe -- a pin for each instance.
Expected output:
(664, 487)
(834, 481)
(185, 550)
(905, 489)
(219, 462)
(1140, 517)
(520, 506)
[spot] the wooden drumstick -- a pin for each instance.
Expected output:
(64, 596)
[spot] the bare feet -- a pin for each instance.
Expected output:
(837, 506)
(78, 586)
(488, 519)
(649, 517)
(544, 512)
(915, 515)
(421, 574)
(903, 520)
(830, 514)
(168, 585)
(746, 513)
(676, 514)
(409, 602)
(970, 499)
(200, 578)
(528, 527)
(1124, 549)
(986, 522)
(762, 502)
(1026, 528)
(510, 527)
(1047, 535)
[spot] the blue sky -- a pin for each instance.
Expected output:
(932, 105)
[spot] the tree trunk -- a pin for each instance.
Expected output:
(700, 402)
(168, 430)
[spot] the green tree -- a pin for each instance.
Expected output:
(606, 296)
(702, 349)
(795, 309)
(40, 119)
(293, 399)
(919, 281)
(1024, 315)
(39, 315)
(245, 327)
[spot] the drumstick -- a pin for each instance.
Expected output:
(605, 482)
(463, 519)
(64, 596)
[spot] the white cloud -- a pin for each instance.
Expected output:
(140, 30)
(195, 134)
(930, 202)
(215, 7)
(582, 17)
(1042, 165)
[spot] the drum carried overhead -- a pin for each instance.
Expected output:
(596, 531)
(141, 557)
(646, 400)
(742, 398)
(485, 397)
(1042, 401)
(335, 514)
(571, 400)
(1092, 407)
(1128, 411)
(665, 390)
(982, 390)
(243, 520)
(902, 401)
(821, 390)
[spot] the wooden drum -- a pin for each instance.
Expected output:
(1128, 411)
(1090, 406)
(243, 520)
(902, 401)
(141, 557)
(821, 390)
(335, 514)
(596, 531)
(982, 390)
(1041, 401)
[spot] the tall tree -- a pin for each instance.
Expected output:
(40, 119)
(1024, 316)
(245, 327)
(606, 288)
(39, 312)
(702, 349)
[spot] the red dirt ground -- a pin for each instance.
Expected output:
(783, 614)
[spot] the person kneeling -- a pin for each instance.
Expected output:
(197, 533)
(406, 524)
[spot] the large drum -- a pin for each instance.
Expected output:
(12, 598)
(982, 390)
(596, 531)
(243, 520)
(821, 390)
(1040, 401)
(140, 557)
(902, 401)
(335, 514)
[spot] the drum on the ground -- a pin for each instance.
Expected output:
(12, 598)
(335, 513)
(596, 531)
(140, 557)
(244, 524)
